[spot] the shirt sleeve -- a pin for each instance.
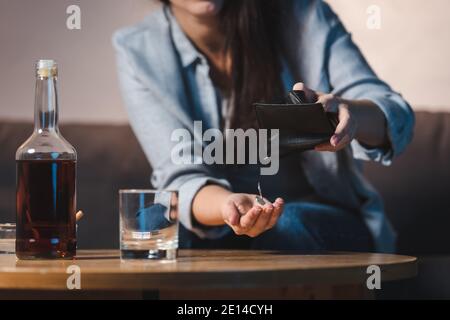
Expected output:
(154, 117)
(351, 77)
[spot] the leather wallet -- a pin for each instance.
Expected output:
(301, 125)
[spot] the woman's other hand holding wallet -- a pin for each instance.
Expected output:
(358, 119)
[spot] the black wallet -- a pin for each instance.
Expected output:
(301, 125)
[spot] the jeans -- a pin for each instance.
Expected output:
(303, 226)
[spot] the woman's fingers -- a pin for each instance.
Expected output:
(344, 132)
(343, 127)
(243, 204)
(310, 95)
(278, 209)
(324, 147)
(249, 219)
(252, 221)
(342, 142)
(279, 202)
(262, 221)
(328, 146)
(329, 102)
(341, 135)
(242, 208)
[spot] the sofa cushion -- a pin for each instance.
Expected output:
(416, 187)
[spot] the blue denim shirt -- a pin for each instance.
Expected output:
(166, 85)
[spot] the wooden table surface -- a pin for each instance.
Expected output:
(210, 269)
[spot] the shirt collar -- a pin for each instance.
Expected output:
(188, 53)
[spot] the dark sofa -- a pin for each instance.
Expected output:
(416, 188)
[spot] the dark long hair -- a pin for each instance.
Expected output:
(252, 30)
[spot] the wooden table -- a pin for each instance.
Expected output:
(203, 274)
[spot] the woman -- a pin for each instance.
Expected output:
(209, 60)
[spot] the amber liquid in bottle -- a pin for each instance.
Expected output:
(46, 180)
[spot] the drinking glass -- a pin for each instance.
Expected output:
(148, 224)
(7, 237)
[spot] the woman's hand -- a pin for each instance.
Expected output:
(245, 216)
(345, 130)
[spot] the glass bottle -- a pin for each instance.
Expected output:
(46, 179)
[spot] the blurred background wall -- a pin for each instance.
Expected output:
(410, 51)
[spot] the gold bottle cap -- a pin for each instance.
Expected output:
(46, 68)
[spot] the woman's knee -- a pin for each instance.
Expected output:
(298, 216)
(291, 232)
(317, 227)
